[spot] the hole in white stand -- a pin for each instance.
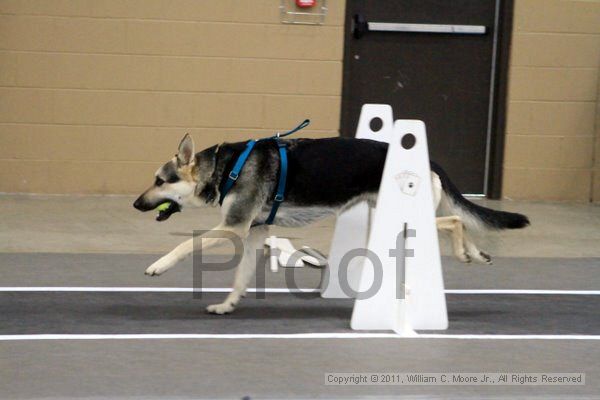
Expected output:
(408, 141)
(376, 124)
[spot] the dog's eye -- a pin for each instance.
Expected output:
(158, 181)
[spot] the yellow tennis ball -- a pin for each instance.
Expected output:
(163, 206)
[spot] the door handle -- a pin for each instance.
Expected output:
(360, 26)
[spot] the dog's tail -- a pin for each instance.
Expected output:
(474, 215)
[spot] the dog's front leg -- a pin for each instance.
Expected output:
(169, 260)
(245, 270)
(182, 251)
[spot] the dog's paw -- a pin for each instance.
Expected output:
(464, 257)
(483, 258)
(158, 267)
(223, 308)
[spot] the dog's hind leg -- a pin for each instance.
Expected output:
(463, 246)
(454, 225)
(474, 252)
(253, 244)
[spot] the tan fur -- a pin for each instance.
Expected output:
(188, 172)
(463, 247)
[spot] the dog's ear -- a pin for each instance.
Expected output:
(186, 150)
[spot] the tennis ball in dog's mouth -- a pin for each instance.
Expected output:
(166, 209)
(163, 206)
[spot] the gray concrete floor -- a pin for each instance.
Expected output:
(102, 241)
(88, 224)
(110, 313)
(276, 369)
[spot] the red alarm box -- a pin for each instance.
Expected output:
(306, 3)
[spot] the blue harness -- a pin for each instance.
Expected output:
(283, 167)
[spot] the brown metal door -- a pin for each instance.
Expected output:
(431, 60)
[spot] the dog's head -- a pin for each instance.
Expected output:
(175, 183)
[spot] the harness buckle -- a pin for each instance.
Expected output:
(233, 176)
(278, 198)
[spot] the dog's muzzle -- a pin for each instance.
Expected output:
(143, 205)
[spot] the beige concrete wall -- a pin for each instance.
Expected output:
(553, 101)
(596, 171)
(95, 94)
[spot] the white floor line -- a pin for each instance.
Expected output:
(289, 336)
(523, 291)
(507, 337)
(272, 290)
(146, 289)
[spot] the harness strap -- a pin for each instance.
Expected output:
(302, 125)
(237, 168)
(283, 162)
(283, 167)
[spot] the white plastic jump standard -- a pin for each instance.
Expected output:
(405, 200)
(352, 226)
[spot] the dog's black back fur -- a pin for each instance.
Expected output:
(332, 171)
(325, 172)
(328, 172)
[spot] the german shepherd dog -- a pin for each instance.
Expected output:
(325, 176)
